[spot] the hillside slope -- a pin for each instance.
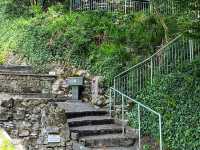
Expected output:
(103, 43)
(177, 97)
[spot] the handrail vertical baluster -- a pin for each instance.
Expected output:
(151, 70)
(110, 103)
(123, 128)
(160, 130)
(139, 127)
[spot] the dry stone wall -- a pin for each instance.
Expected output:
(39, 124)
(26, 83)
(93, 90)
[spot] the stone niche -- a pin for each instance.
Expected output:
(38, 124)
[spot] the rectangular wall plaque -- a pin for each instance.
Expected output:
(54, 139)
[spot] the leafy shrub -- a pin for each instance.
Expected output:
(94, 41)
(103, 43)
(17, 8)
(176, 96)
(2, 57)
(5, 144)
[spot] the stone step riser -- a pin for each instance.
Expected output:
(78, 146)
(96, 132)
(83, 114)
(90, 122)
(119, 142)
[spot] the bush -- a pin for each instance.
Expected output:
(5, 143)
(2, 57)
(176, 96)
(94, 41)
(101, 42)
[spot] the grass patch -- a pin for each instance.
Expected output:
(5, 143)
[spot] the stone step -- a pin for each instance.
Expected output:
(78, 146)
(86, 113)
(75, 109)
(108, 140)
(115, 148)
(96, 130)
(15, 69)
(90, 120)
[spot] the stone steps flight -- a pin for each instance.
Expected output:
(92, 128)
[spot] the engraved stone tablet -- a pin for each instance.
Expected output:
(54, 139)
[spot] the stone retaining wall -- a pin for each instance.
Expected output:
(26, 83)
(39, 125)
(15, 68)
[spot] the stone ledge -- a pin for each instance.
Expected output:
(16, 67)
(28, 74)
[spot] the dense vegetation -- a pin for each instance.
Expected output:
(5, 143)
(101, 42)
(176, 96)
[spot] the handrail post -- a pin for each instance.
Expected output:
(123, 128)
(160, 130)
(114, 93)
(110, 103)
(125, 6)
(139, 128)
(151, 6)
(114, 83)
(191, 48)
(70, 7)
(151, 70)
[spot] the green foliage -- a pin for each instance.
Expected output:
(146, 147)
(2, 57)
(176, 96)
(5, 144)
(17, 8)
(190, 9)
(103, 43)
(94, 41)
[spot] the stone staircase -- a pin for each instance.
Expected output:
(90, 128)
(93, 129)
(27, 106)
(21, 81)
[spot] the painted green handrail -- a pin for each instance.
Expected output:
(128, 83)
(178, 51)
(124, 98)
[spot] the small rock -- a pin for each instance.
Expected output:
(99, 103)
(54, 130)
(74, 136)
(36, 126)
(19, 115)
(8, 103)
(35, 117)
(24, 133)
(5, 116)
(26, 124)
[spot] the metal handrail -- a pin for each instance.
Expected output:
(124, 6)
(112, 104)
(126, 84)
(161, 49)
(178, 51)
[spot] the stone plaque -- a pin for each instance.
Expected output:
(54, 139)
